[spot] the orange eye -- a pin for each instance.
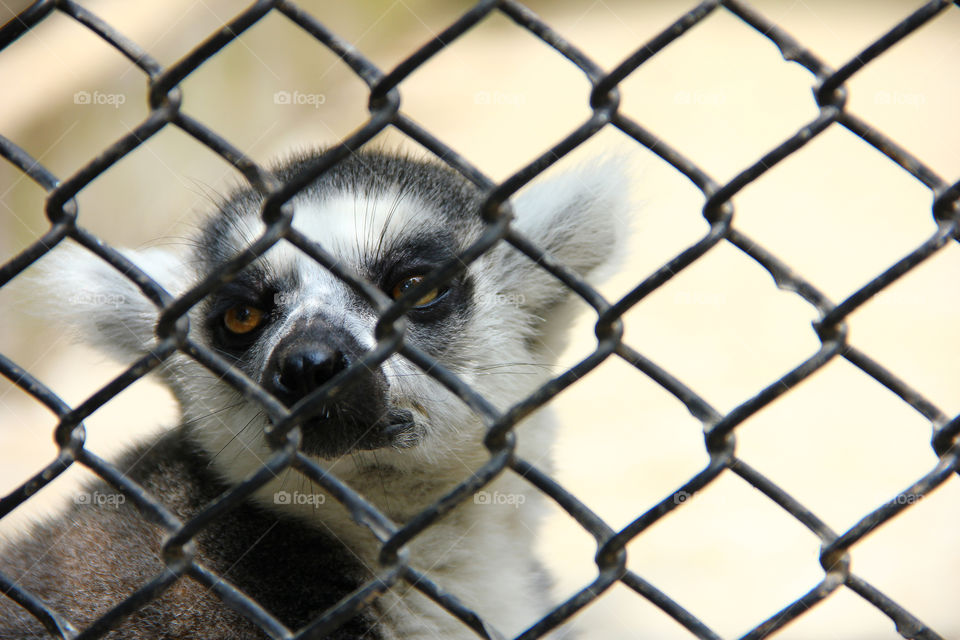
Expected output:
(242, 319)
(409, 283)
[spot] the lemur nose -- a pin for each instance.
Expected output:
(307, 369)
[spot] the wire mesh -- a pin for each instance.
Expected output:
(165, 96)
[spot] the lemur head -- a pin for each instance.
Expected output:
(291, 325)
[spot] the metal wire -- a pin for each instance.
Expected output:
(164, 97)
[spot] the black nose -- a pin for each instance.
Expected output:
(303, 370)
(355, 416)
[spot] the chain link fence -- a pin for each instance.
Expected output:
(165, 98)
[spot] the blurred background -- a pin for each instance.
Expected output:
(838, 212)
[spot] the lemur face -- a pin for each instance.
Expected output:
(291, 326)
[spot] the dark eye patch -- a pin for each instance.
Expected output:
(248, 291)
(414, 258)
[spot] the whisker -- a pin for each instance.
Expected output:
(212, 413)
(258, 414)
(517, 364)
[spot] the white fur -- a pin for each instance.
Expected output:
(477, 552)
(97, 302)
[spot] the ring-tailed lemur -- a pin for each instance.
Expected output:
(397, 436)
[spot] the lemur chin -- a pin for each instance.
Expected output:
(396, 436)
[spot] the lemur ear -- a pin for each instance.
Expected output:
(105, 309)
(581, 218)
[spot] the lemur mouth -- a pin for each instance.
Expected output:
(334, 433)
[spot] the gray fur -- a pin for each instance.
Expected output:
(89, 560)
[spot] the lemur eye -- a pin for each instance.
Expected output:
(409, 283)
(242, 319)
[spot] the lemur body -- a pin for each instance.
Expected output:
(397, 436)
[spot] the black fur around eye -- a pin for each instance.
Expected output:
(235, 321)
